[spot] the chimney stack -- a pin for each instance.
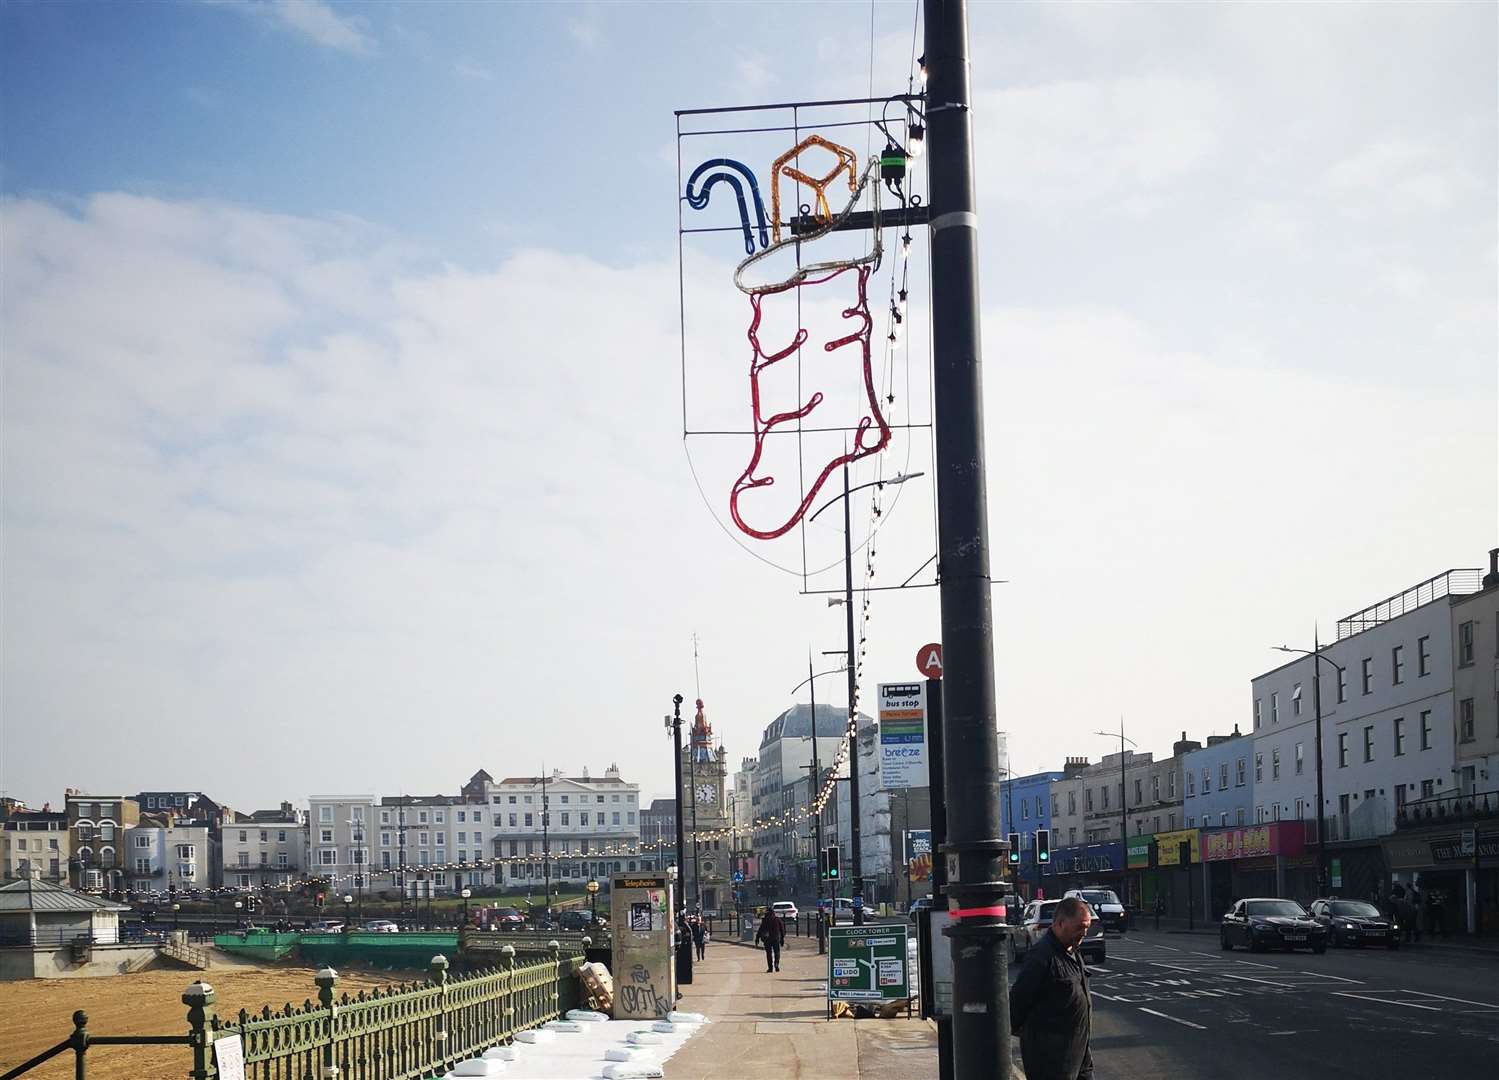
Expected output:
(1492, 577)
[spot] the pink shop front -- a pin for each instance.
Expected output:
(1256, 860)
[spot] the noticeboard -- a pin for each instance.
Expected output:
(868, 963)
(902, 715)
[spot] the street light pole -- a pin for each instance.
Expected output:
(1123, 814)
(1316, 654)
(546, 848)
(853, 710)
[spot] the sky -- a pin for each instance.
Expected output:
(342, 369)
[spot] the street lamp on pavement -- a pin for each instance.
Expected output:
(348, 926)
(593, 896)
(466, 893)
(1316, 654)
(176, 916)
(811, 683)
(1123, 817)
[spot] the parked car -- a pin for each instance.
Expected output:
(1356, 923)
(578, 920)
(918, 906)
(380, 926)
(1260, 923)
(325, 926)
(1037, 921)
(785, 909)
(1105, 902)
(508, 918)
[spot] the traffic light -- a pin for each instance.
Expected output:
(833, 863)
(1043, 845)
(822, 863)
(1014, 849)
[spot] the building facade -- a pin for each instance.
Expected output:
(35, 840)
(170, 858)
(264, 850)
(1025, 805)
(706, 879)
(97, 824)
(658, 835)
(339, 841)
(1217, 783)
(1475, 683)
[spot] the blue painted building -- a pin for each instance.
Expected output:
(1218, 783)
(1024, 807)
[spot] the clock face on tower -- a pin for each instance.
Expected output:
(707, 794)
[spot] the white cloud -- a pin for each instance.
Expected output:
(586, 30)
(315, 20)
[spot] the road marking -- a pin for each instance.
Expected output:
(1282, 1033)
(1334, 978)
(1385, 1001)
(1173, 1019)
(1127, 959)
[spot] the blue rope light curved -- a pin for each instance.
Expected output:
(699, 200)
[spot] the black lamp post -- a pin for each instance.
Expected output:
(1123, 816)
(176, 916)
(1316, 654)
(593, 897)
(466, 893)
(348, 924)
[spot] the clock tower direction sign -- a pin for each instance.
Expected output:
(707, 875)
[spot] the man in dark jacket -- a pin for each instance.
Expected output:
(1049, 1005)
(771, 933)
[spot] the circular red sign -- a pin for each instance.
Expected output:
(929, 661)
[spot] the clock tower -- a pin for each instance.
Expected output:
(707, 877)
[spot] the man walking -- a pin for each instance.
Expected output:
(1049, 1004)
(699, 935)
(771, 933)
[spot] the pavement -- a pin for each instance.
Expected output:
(1175, 1004)
(773, 1026)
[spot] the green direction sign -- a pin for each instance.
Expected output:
(868, 963)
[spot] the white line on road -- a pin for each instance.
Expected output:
(1386, 1001)
(1173, 1019)
(1334, 978)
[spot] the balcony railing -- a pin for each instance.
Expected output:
(1448, 809)
(1457, 582)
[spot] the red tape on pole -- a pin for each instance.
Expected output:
(978, 912)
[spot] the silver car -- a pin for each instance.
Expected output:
(1037, 921)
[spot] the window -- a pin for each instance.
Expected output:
(1300, 759)
(1342, 749)
(512, 821)
(530, 820)
(564, 798)
(1223, 776)
(630, 814)
(1369, 742)
(1207, 781)
(1275, 763)
(514, 847)
(1342, 685)
(421, 817)
(1223, 818)
(1072, 802)
(511, 800)
(423, 839)
(566, 817)
(1399, 736)
(1465, 644)
(1238, 817)
(1465, 719)
(280, 836)
(265, 858)
(325, 815)
(325, 836)
(1425, 729)
(385, 839)
(1025, 810)
(1368, 674)
(1155, 788)
(244, 858)
(327, 857)
(1428, 788)
(1054, 802)
(244, 881)
(1072, 834)
(282, 860)
(1301, 808)
(1259, 768)
(1087, 800)
(1423, 656)
(1192, 822)
(600, 798)
(1296, 700)
(1239, 777)
(1139, 787)
(1104, 791)
(462, 837)
(478, 839)
(1397, 665)
(615, 817)
(1275, 707)
(1191, 783)
(384, 817)
(1171, 785)
(439, 817)
(142, 841)
(1256, 714)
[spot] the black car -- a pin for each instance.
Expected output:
(1356, 923)
(576, 920)
(1264, 923)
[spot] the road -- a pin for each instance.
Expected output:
(1175, 1005)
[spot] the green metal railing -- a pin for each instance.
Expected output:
(406, 1032)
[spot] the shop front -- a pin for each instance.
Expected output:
(1448, 864)
(1080, 866)
(1252, 860)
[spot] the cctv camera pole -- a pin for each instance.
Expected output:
(981, 1013)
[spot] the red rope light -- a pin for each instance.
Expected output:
(763, 426)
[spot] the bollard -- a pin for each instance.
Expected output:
(439, 974)
(79, 1039)
(326, 980)
(199, 998)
